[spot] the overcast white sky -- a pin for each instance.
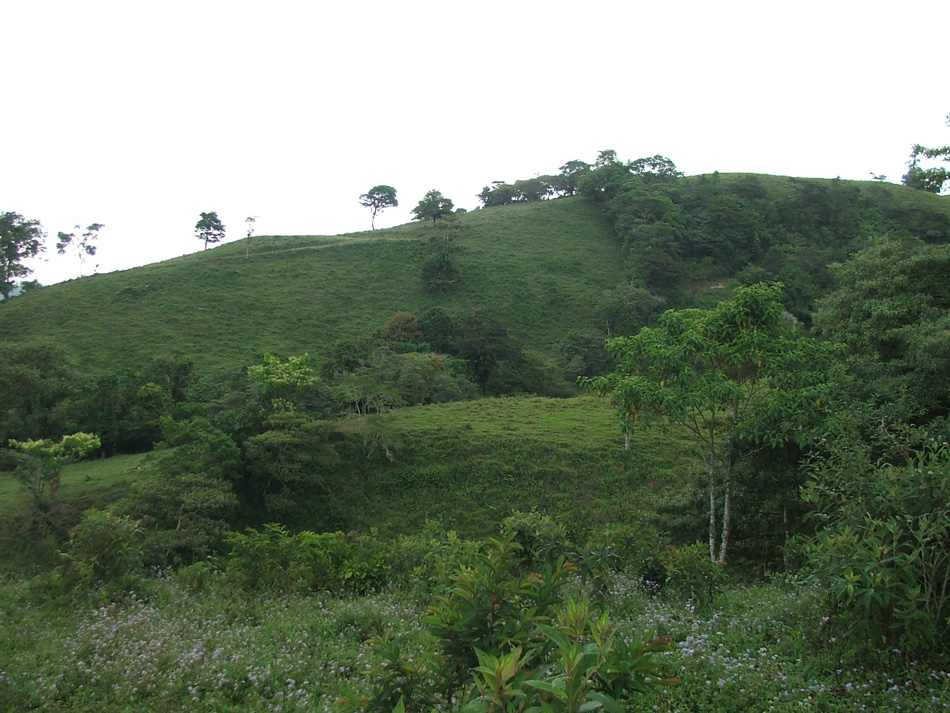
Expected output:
(141, 115)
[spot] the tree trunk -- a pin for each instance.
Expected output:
(713, 519)
(726, 521)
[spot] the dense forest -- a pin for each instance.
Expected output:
(553, 453)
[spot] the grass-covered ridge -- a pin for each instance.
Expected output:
(540, 268)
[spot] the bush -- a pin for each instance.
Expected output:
(104, 548)
(274, 559)
(691, 574)
(883, 547)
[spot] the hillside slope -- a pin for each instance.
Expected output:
(539, 267)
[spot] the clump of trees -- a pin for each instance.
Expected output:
(932, 179)
(738, 379)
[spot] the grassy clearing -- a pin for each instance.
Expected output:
(469, 464)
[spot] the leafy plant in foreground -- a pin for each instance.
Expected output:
(883, 546)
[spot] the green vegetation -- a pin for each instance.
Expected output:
(357, 471)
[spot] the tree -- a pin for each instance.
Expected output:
(250, 220)
(85, 243)
(39, 465)
(378, 198)
(20, 239)
(209, 229)
(891, 306)
(931, 180)
(733, 375)
(433, 207)
(37, 383)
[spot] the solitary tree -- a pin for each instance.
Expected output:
(433, 206)
(250, 220)
(210, 229)
(85, 243)
(19, 239)
(378, 198)
(736, 374)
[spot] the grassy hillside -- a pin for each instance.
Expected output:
(470, 464)
(466, 464)
(538, 267)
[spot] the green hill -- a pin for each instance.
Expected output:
(540, 268)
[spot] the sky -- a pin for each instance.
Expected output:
(142, 115)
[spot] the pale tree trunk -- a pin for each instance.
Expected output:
(713, 515)
(726, 520)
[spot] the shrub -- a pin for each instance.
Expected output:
(690, 573)
(883, 547)
(274, 559)
(104, 548)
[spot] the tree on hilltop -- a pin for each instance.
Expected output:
(20, 239)
(85, 243)
(931, 180)
(377, 199)
(433, 206)
(209, 229)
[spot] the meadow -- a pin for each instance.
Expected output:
(173, 643)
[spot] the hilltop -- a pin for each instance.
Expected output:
(545, 269)
(540, 268)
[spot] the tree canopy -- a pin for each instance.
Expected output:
(85, 244)
(209, 229)
(433, 206)
(20, 239)
(377, 199)
(931, 179)
(736, 373)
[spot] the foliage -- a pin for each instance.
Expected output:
(85, 243)
(492, 605)
(402, 327)
(209, 229)
(691, 575)
(104, 548)
(187, 503)
(541, 539)
(37, 381)
(726, 375)
(287, 464)
(39, 465)
(433, 206)
(931, 179)
(496, 361)
(174, 646)
(439, 274)
(272, 558)
(289, 385)
(20, 239)
(883, 546)
(510, 642)
(891, 306)
(378, 198)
